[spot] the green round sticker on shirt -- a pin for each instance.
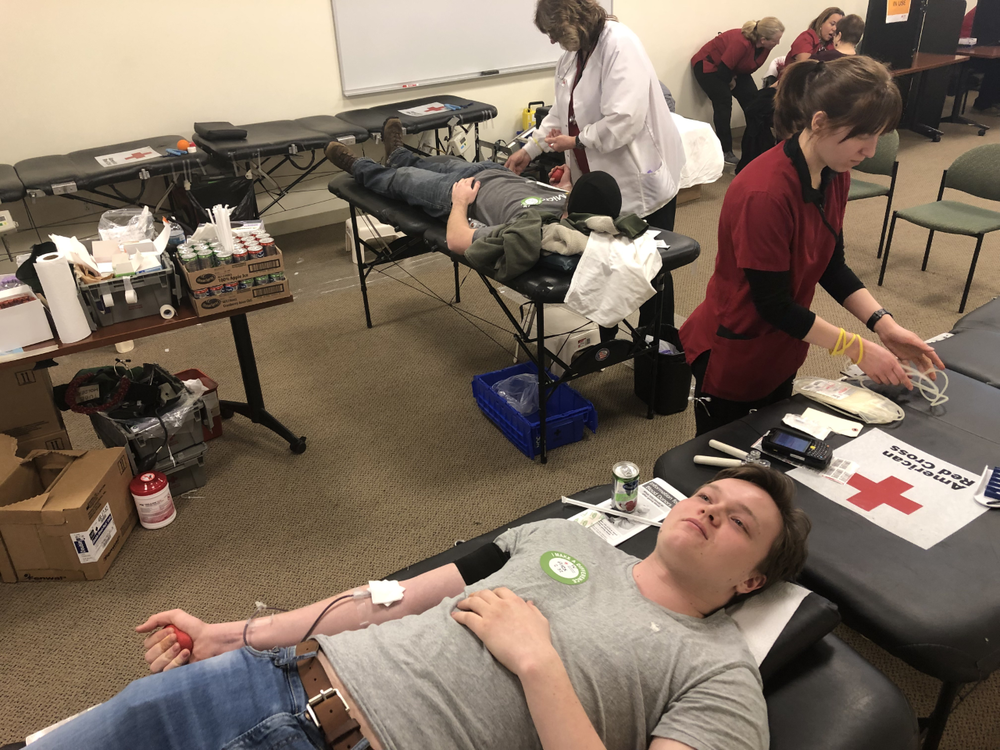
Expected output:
(564, 568)
(528, 202)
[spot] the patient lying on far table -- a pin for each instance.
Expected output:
(517, 217)
(585, 647)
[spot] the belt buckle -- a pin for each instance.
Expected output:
(323, 695)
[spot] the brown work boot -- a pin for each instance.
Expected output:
(392, 136)
(341, 155)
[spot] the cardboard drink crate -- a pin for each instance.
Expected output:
(234, 273)
(64, 515)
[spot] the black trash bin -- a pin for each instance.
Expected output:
(673, 378)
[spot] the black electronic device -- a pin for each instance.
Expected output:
(808, 450)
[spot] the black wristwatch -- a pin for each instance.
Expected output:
(579, 144)
(876, 317)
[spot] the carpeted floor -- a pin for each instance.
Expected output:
(401, 462)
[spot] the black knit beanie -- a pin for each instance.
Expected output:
(595, 193)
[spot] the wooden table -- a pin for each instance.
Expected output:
(253, 409)
(923, 62)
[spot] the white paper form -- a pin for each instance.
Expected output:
(655, 500)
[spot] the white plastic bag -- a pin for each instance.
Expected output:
(124, 225)
(612, 278)
(520, 391)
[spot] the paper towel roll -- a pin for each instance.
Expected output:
(59, 286)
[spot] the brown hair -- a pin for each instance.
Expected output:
(819, 20)
(575, 24)
(851, 28)
(766, 28)
(787, 556)
(856, 92)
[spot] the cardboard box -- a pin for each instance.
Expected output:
(22, 319)
(235, 273)
(55, 441)
(64, 515)
(27, 410)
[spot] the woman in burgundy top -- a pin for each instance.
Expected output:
(723, 67)
(780, 234)
(817, 37)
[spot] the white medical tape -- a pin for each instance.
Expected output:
(167, 312)
(130, 296)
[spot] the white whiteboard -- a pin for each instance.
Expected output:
(395, 44)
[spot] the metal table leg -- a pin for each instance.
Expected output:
(254, 409)
(934, 724)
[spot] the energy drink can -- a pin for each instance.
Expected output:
(626, 478)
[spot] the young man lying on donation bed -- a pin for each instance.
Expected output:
(517, 217)
(548, 638)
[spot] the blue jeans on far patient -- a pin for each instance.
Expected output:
(241, 700)
(419, 181)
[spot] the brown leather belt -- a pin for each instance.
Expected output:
(327, 707)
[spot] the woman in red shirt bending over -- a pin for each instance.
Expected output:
(781, 234)
(817, 37)
(723, 67)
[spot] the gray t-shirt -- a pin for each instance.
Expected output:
(503, 196)
(639, 669)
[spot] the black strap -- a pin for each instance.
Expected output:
(481, 563)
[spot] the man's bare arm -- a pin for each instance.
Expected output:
(459, 235)
(288, 628)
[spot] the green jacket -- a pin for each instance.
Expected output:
(518, 246)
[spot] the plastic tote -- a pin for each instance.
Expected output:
(567, 412)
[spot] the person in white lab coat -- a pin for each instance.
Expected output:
(609, 114)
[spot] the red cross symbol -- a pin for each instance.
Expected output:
(887, 492)
(435, 109)
(136, 155)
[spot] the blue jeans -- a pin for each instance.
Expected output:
(241, 700)
(419, 181)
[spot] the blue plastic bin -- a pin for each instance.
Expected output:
(565, 416)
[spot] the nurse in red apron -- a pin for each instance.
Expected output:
(780, 234)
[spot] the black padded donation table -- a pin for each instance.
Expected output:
(280, 141)
(821, 694)
(541, 284)
(973, 346)
(936, 609)
(11, 188)
(454, 110)
(67, 175)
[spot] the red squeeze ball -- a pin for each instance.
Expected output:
(182, 638)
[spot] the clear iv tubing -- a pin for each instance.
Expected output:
(929, 389)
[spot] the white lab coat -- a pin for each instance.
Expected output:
(624, 121)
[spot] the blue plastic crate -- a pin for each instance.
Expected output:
(566, 413)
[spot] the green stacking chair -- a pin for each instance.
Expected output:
(976, 172)
(884, 163)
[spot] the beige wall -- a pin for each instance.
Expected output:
(107, 71)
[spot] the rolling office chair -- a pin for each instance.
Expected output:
(974, 172)
(883, 163)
